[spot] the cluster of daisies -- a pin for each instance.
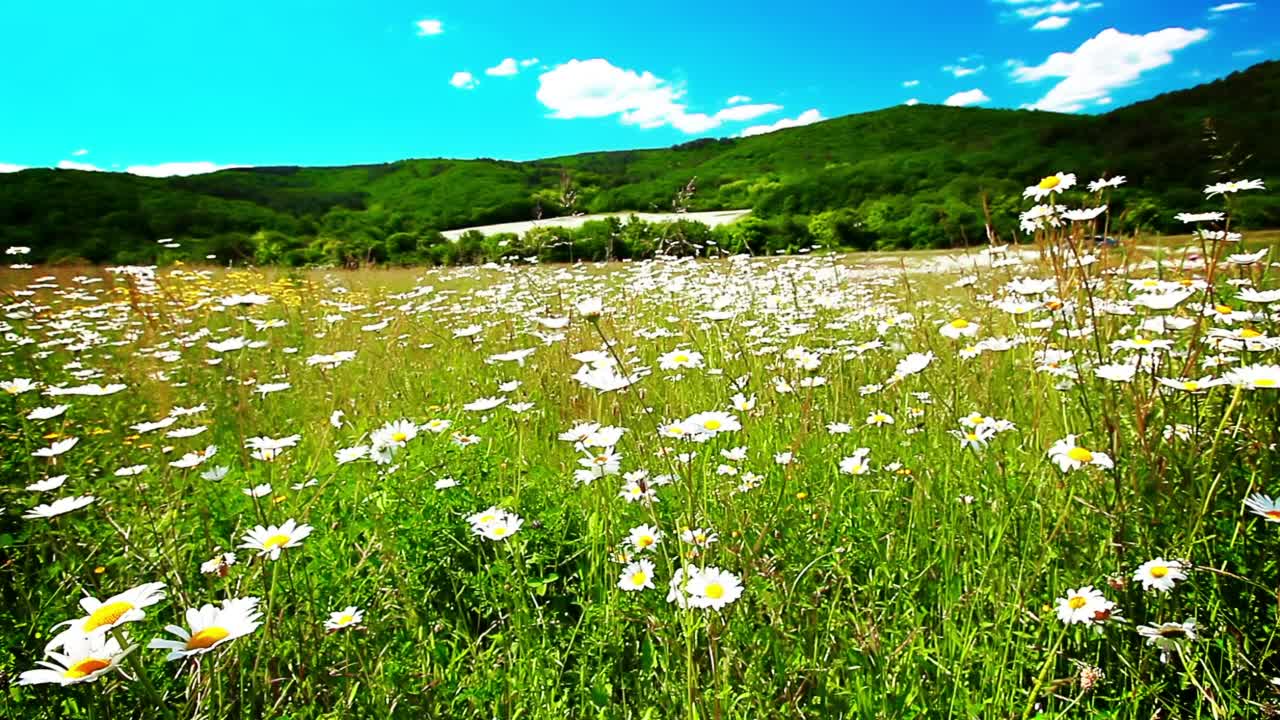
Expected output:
(1088, 606)
(85, 648)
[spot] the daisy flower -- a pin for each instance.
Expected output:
(394, 434)
(1070, 456)
(345, 618)
(637, 576)
(879, 419)
(1080, 606)
(106, 614)
(1049, 185)
(713, 422)
(1255, 377)
(713, 588)
(958, 328)
(56, 448)
(1264, 506)
(1167, 635)
(644, 537)
(271, 540)
(58, 507)
(211, 626)
(85, 658)
(1159, 574)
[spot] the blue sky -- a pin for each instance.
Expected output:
(176, 87)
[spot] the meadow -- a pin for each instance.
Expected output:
(1029, 480)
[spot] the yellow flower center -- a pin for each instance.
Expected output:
(715, 591)
(399, 437)
(346, 618)
(639, 577)
(959, 323)
(1141, 341)
(1264, 382)
(1159, 571)
(644, 541)
(1249, 333)
(108, 614)
(1079, 454)
(207, 637)
(1223, 309)
(712, 424)
(1077, 602)
(500, 530)
(1050, 182)
(85, 667)
(275, 541)
(682, 358)
(1273, 514)
(1191, 385)
(878, 418)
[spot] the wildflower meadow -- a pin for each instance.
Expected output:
(1032, 479)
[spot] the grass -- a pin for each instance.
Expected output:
(927, 586)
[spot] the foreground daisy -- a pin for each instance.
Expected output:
(713, 588)
(271, 540)
(1081, 606)
(1166, 636)
(110, 613)
(1054, 183)
(637, 576)
(1069, 456)
(1264, 506)
(85, 658)
(58, 507)
(495, 523)
(210, 626)
(346, 618)
(1159, 574)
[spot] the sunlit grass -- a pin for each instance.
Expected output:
(910, 568)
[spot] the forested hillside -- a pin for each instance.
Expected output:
(899, 177)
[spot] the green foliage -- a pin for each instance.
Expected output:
(901, 177)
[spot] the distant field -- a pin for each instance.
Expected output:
(711, 219)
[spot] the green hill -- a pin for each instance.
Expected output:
(898, 177)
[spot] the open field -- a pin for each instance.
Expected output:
(1010, 483)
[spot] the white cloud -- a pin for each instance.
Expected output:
(10, 167)
(968, 97)
(596, 88)
(178, 169)
(80, 152)
(528, 61)
(738, 99)
(1111, 59)
(463, 80)
(738, 113)
(1053, 22)
(808, 117)
(429, 27)
(912, 102)
(1228, 7)
(506, 67)
(961, 71)
(910, 83)
(73, 165)
(1057, 8)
